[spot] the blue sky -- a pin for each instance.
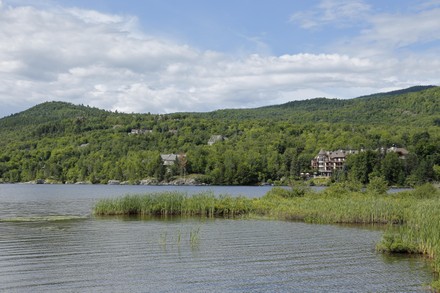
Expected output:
(163, 56)
(222, 25)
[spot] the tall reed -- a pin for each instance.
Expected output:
(174, 203)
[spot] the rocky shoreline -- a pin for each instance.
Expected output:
(151, 181)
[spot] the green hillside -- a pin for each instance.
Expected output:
(420, 105)
(63, 142)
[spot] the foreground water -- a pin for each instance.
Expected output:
(184, 255)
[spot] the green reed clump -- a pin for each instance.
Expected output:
(336, 205)
(174, 203)
(421, 230)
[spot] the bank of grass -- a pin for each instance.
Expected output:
(421, 230)
(416, 212)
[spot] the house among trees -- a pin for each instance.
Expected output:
(401, 152)
(327, 162)
(216, 138)
(171, 159)
(168, 159)
(140, 131)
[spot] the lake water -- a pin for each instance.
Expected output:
(185, 254)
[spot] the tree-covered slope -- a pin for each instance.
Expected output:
(50, 112)
(70, 143)
(419, 105)
(51, 118)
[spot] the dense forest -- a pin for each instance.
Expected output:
(62, 142)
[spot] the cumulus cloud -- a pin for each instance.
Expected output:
(106, 61)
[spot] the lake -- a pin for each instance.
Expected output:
(120, 254)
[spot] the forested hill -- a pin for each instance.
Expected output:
(413, 105)
(51, 112)
(417, 104)
(63, 142)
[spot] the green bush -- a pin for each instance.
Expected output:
(377, 185)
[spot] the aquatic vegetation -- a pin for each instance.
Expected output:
(50, 218)
(179, 237)
(420, 234)
(163, 240)
(194, 237)
(174, 203)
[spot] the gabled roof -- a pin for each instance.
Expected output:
(168, 157)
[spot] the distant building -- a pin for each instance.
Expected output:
(327, 162)
(140, 131)
(401, 152)
(168, 159)
(216, 138)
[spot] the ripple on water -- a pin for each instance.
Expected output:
(109, 254)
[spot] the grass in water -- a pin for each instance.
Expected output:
(42, 219)
(167, 239)
(194, 238)
(417, 212)
(174, 203)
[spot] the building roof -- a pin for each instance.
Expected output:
(168, 157)
(341, 153)
(215, 138)
(401, 151)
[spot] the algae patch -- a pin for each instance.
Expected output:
(54, 218)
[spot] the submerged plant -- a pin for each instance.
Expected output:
(179, 236)
(194, 237)
(50, 218)
(163, 240)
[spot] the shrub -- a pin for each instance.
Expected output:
(377, 185)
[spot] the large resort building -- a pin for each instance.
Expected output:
(328, 162)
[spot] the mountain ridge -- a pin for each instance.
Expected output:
(307, 104)
(365, 109)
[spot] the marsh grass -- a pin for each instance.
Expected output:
(174, 203)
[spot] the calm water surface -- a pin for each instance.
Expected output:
(185, 254)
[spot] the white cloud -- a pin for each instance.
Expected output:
(429, 4)
(400, 30)
(381, 33)
(106, 61)
(335, 12)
